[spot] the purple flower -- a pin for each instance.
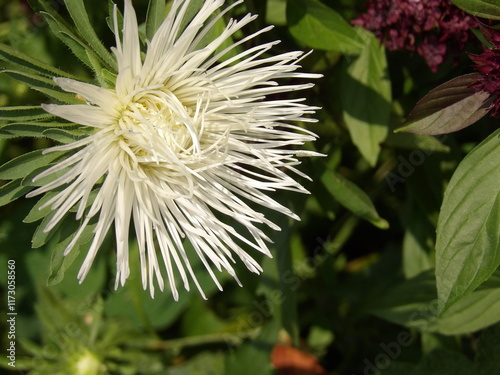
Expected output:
(434, 29)
(488, 64)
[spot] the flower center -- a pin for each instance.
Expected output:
(155, 127)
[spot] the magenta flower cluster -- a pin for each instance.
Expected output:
(488, 64)
(435, 29)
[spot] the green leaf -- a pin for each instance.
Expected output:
(36, 213)
(44, 85)
(24, 113)
(64, 32)
(318, 26)
(416, 141)
(40, 237)
(480, 8)
(26, 62)
(366, 98)
(25, 164)
(472, 313)
(254, 357)
(59, 263)
(154, 17)
(413, 304)
(63, 135)
(12, 191)
(352, 197)
(449, 107)
(30, 129)
(417, 242)
(468, 244)
(79, 15)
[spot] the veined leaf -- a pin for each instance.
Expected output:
(27, 163)
(320, 27)
(44, 85)
(12, 191)
(447, 108)
(23, 113)
(472, 313)
(79, 15)
(352, 197)
(480, 8)
(366, 98)
(154, 17)
(413, 303)
(468, 231)
(28, 63)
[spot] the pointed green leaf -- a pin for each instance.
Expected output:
(23, 113)
(79, 15)
(74, 43)
(352, 197)
(27, 163)
(12, 191)
(40, 237)
(413, 304)
(36, 213)
(30, 129)
(480, 8)
(468, 240)
(59, 263)
(449, 107)
(319, 26)
(154, 17)
(416, 141)
(63, 135)
(475, 311)
(366, 99)
(26, 62)
(45, 85)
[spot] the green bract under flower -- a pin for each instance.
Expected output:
(182, 141)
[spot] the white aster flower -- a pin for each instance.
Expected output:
(182, 141)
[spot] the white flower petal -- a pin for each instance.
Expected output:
(182, 141)
(82, 114)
